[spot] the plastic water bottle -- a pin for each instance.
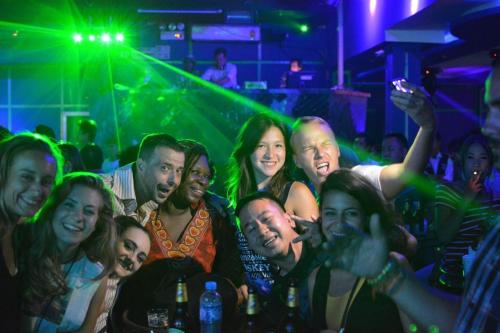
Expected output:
(210, 309)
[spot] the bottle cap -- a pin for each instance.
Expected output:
(211, 285)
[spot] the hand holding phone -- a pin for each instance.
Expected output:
(398, 85)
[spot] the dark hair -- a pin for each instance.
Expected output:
(89, 127)
(398, 136)
(194, 150)
(220, 50)
(92, 157)
(45, 130)
(72, 155)
(241, 179)
(483, 142)
(123, 223)
(128, 155)
(44, 274)
(297, 60)
(4, 133)
(151, 141)
(357, 186)
(12, 147)
(257, 196)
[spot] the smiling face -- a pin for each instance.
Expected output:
(197, 182)
(75, 218)
(316, 152)
(161, 173)
(267, 228)
(269, 155)
(339, 209)
(29, 181)
(132, 249)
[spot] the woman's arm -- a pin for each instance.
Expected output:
(301, 201)
(94, 309)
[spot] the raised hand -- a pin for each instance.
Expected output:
(357, 252)
(310, 230)
(416, 104)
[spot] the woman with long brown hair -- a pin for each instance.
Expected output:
(66, 251)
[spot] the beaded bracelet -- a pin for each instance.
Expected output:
(391, 264)
(390, 279)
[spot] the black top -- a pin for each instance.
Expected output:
(369, 312)
(9, 307)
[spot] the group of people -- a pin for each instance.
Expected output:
(83, 252)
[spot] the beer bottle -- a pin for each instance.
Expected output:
(252, 324)
(180, 320)
(292, 323)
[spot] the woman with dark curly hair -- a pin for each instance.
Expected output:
(66, 251)
(348, 202)
(29, 167)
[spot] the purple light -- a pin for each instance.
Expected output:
(373, 7)
(457, 106)
(414, 6)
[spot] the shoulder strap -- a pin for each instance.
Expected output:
(320, 293)
(285, 192)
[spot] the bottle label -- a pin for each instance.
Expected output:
(181, 293)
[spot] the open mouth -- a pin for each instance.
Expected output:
(72, 228)
(197, 191)
(30, 203)
(268, 242)
(164, 190)
(269, 164)
(323, 168)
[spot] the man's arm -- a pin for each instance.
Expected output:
(367, 256)
(395, 177)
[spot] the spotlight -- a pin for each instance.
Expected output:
(92, 38)
(180, 26)
(304, 28)
(429, 80)
(119, 37)
(106, 38)
(494, 54)
(77, 38)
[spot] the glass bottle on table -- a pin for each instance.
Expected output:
(180, 319)
(292, 323)
(252, 322)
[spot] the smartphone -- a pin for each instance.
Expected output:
(396, 84)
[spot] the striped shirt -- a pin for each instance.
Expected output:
(480, 310)
(470, 232)
(121, 182)
(109, 301)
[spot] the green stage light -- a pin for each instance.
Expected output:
(77, 38)
(119, 37)
(106, 38)
(304, 28)
(92, 38)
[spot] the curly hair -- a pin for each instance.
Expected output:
(41, 260)
(241, 179)
(346, 181)
(10, 148)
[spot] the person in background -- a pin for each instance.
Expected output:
(29, 167)
(92, 157)
(394, 148)
(223, 73)
(65, 254)
(132, 249)
(363, 149)
(72, 159)
(47, 131)
(461, 211)
(440, 164)
(189, 66)
(87, 131)
(294, 66)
